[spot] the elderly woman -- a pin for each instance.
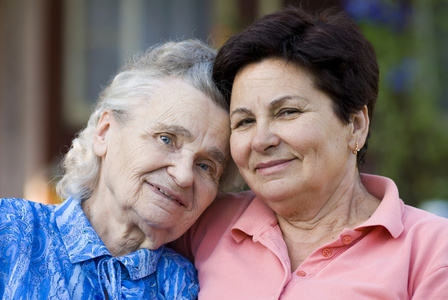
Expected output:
(146, 166)
(302, 90)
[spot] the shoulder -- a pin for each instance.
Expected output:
(177, 276)
(24, 227)
(24, 222)
(240, 197)
(418, 221)
(214, 222)
(228, 206)
(20, 206)
(225, 210)
(426, 234)
(20, 210)
(172, 259)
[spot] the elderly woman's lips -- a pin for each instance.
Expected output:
(167, 194)
(272, 166)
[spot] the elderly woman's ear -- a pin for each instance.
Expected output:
(360, 128)
(101, 132)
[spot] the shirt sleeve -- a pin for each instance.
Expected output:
(434, 286)
(176, 277)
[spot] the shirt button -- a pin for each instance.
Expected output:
(326, 252)
(301, 273)
(346, 239)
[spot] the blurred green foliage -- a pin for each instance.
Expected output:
(409, 131)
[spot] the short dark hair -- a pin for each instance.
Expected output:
(328, 44)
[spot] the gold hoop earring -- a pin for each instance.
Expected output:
(356, 148)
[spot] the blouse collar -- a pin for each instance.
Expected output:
(83, 243)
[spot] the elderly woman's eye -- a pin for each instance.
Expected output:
(207, 167)
(165, 139)
(204, 167)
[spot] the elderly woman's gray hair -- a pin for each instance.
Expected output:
(190, 60)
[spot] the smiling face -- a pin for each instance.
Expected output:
(161, 169)
(286, 139)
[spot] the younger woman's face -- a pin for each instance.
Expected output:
(285, 137)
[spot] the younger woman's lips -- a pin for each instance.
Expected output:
(272, 166)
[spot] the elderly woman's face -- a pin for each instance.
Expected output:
(286, 138)
(162, 168)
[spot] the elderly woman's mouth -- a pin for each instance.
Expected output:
(168, 195)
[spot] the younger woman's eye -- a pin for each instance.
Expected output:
(288, 111)
(243, 122)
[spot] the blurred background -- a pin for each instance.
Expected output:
(57, 55)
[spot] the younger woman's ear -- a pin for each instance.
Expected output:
(101, 134)
(361, 122)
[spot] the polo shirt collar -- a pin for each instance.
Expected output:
(258, 217)
(389, 213)
(255, 220)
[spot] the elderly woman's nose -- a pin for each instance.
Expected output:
(264, 138)
(182, 171)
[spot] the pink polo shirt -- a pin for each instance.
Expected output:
(401, 252)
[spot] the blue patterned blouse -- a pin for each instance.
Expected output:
(52, 252)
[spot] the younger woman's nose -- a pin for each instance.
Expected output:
(264, 138)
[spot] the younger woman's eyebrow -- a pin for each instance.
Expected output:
(240, 110)
(274, 103)
(281, 100)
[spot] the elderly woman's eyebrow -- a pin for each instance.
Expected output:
(175, 130)
(217, 155)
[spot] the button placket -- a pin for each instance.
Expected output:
(326, 252)
(346, 240)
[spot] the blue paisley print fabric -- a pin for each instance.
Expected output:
(52, 252)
